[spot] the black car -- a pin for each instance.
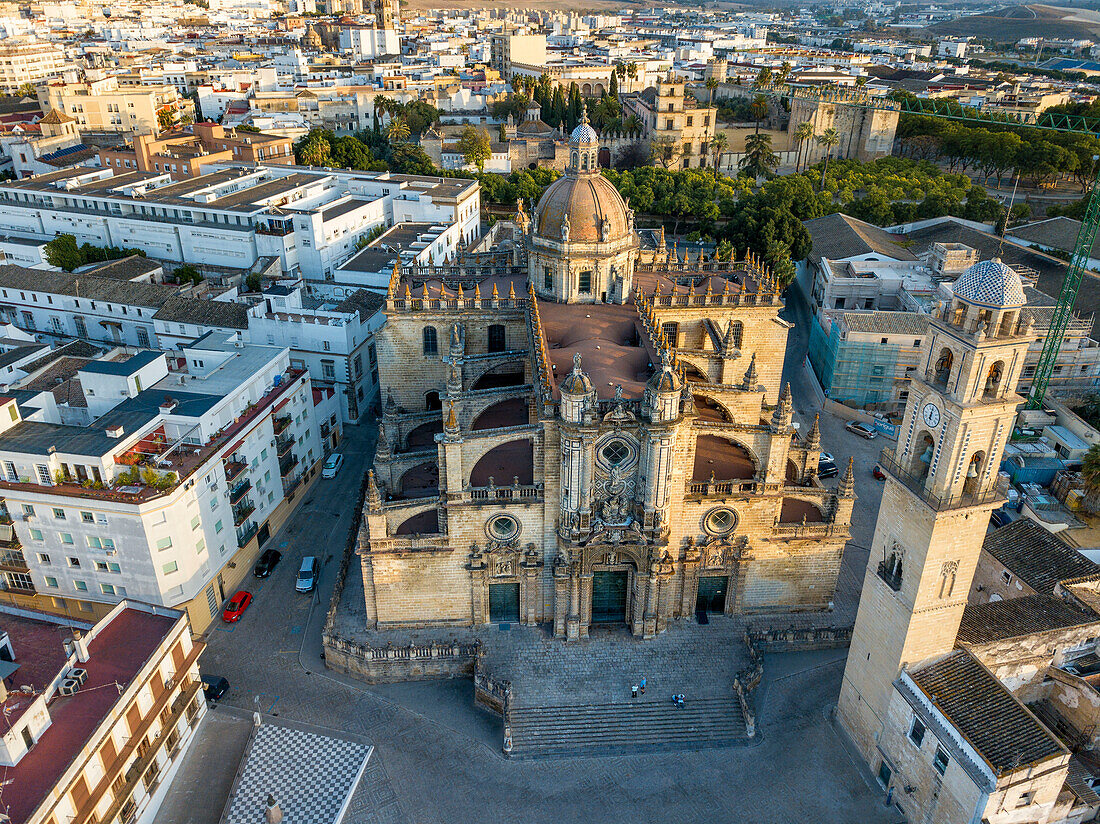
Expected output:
(826, 469)
(214, 687)
(266, 563)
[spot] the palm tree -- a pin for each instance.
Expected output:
(802, 133)
(759, 159)
(783, 73)
(828, 138)
(711, 84)
(763, 78)
(717, 146)
(759, 108)
(398, 131)
(1090, 468)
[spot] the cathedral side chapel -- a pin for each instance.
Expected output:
(596, 436)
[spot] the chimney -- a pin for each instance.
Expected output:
(81, 646)
(168, 404)
(115, 431)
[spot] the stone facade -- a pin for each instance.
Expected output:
(598, 435)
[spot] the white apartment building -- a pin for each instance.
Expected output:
(309, 219)
(98, 722)
(188, 464)
(28, 61)
(333, 339)
(331, 336)
(103, 105)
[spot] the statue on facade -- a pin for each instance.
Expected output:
(565, 229)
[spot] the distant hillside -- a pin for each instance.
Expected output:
(1009, 24)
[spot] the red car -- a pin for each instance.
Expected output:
(878, 473)
(237, 605)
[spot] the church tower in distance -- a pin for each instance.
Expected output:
(939, 491)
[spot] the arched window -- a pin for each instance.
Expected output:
(584, 282)
(431, 401)
(993, 380)
(943, 367)
(431, 341)
(948, 571)
(547, 277)
(496, 338)
(734, 335)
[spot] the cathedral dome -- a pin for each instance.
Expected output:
(990, 284)
(590, 205)
(582, 206)
(665, 380)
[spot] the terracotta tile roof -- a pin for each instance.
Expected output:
(1036, 557)
(838, 236)
(999, 727)
(982, 623)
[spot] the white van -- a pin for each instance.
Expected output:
(307, 574)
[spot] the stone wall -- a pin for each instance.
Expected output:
(391, 664)
(799, 639)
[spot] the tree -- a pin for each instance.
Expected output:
(828, 138)
(398, 131)
(26, 90)
(759, 160)
(166, 118)
(475, 147)
(803, 132)
(759, 109)
(63, 253)
(763, 78)
(718, 145)
(664, 150)
(711, 84)
(187, 273)
(1090, 468)
(314, 148)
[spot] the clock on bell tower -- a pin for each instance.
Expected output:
(940, 488)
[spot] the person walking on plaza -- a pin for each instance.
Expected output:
(634, 691)
(642, 685)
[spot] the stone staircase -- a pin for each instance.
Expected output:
(624, 728)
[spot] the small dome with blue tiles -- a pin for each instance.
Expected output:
(576, 382)
(990, 284)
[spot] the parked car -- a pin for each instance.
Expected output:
(878, 473)
(827, 457)
(236, 606)
(214, 687)
(861, 429)
(307, 574)
(826, 469)
(999, 517)
(268, 561)
(332, 465)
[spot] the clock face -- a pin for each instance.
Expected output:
(931, 414)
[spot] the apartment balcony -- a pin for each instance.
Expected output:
(238, 491)
(281, 422)
(286, 464)
(242, 510)
(8, 538)
(233, 470)
(13, 560)
(283, 444)
(122, 788)
(245, 532)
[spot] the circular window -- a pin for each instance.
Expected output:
(502, 528)
(720, 521)
(615, 453)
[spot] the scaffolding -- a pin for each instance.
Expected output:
(855, 373)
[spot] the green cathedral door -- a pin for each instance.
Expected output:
(503, 603)
(609, 597)
(712, 594)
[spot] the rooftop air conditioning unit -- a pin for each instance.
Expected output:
(69, 686)
(78, 674)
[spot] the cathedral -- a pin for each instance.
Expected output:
(588, 433)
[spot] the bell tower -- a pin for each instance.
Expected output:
(939, 491)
